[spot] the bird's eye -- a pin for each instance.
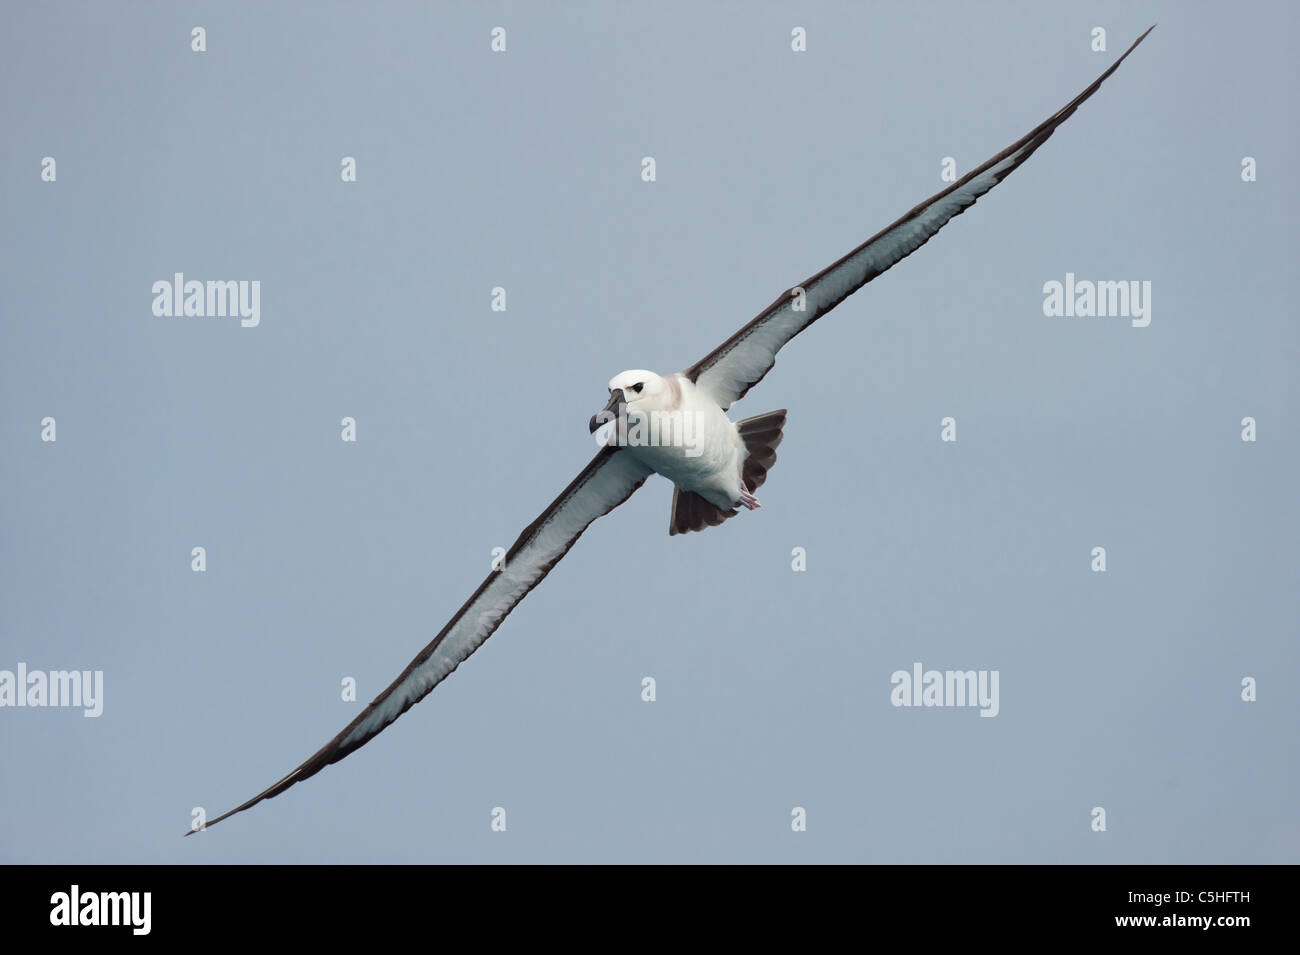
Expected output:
(638, 386)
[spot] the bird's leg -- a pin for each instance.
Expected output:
(747, 499)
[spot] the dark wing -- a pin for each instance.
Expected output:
(740, 362)
(603, 485)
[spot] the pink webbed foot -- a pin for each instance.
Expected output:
(747, 499)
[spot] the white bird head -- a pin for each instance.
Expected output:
(637, 391)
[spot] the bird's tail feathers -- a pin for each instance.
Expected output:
(761, 434)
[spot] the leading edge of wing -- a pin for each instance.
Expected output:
(749, 372)
(609, 479)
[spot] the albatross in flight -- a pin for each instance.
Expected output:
(715, 473)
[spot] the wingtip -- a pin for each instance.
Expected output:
(1140, 38)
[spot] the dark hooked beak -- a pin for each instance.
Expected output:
(611, 411)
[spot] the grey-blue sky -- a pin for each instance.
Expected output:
(522, 170)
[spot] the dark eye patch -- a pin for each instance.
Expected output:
(638, 386)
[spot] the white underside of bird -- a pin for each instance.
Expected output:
(680, 432)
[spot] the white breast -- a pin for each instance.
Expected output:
(705, 453)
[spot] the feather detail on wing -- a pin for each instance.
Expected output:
(604, 484)
(740, 362)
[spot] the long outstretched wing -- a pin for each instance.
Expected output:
(609, 480)
(740, 362)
